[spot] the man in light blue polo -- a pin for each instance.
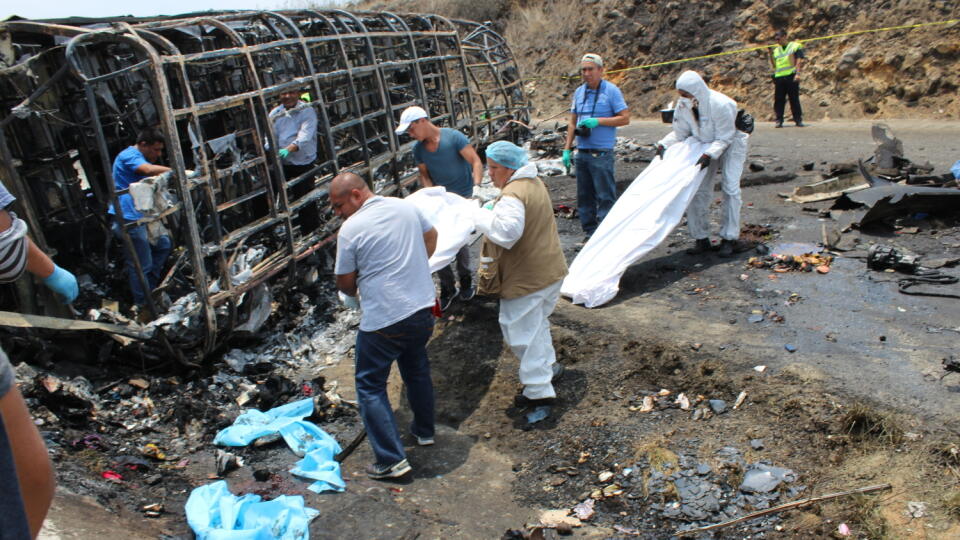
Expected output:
(596, 111)
(383, 252)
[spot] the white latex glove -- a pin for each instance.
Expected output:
(351, 302)
(476, 192)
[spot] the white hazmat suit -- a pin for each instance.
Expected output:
(727, 150)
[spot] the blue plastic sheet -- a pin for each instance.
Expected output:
(216, 514)
(304, 438)
(956, 170)
(253, 424)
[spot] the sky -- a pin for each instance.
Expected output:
(53, 9)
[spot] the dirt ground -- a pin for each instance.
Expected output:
(860, 401)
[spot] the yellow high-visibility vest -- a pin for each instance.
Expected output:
(781, 58)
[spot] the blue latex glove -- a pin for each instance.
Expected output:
(283, 153)
(567, 159)
(589, 123)
(63, 283)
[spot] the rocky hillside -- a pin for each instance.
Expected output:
(892, 74)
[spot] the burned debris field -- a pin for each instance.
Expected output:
(806, 387)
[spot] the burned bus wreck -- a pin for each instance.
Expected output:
(75, 92)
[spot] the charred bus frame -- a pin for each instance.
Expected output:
(76, 91)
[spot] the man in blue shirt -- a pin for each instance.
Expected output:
(445, 158)
(596, 111)
(132, 165)
(295, 125)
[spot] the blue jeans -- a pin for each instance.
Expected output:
(596, 187)
(405, 342)
(152, 258)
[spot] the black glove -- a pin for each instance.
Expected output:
(703, 162)
(660, 151)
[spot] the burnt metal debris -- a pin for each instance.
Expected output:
(76, 91)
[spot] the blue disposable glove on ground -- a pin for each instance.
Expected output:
(63, 283)
(589, 123)
(283, 153)
(567, 159)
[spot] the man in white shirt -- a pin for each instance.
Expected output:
(383, 249)
(295, 125)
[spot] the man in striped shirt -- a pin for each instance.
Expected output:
(18, 254)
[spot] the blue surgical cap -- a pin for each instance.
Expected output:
(507, 154)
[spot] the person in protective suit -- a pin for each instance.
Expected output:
(710, 116)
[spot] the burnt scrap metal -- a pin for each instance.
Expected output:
(76, 91)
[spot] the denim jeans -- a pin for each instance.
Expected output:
(596, 187)
(405, 342)
(152, 258)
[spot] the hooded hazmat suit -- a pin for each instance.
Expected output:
(727, 150)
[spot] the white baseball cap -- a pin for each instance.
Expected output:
(409, 116)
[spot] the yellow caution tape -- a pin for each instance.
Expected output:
(761, 47)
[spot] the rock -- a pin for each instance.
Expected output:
(781, 11)
(808, 166)
(761, 478)
(718, 405)
(791, 348)
(613, 14)
(848, 61)
(756, 166)
(756, 444)
(911, 59)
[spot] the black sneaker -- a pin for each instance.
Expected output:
(424, 441)
(702, 246)
(801, 124)
(467, 290)
(521, 400)
(380, 472)
(446, 299)
(779, 124)
(726, 248)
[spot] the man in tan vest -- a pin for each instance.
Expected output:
(522, 263)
